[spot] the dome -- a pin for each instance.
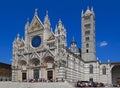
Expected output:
(73, 42)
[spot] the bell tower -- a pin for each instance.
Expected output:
(88, 35)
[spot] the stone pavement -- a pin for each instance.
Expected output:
(35, 85)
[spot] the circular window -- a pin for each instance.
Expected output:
(36, 41)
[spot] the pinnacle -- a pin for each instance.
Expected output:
(36, 11)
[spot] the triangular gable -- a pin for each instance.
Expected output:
(36, 24)
(48, 53)
(34, 55)
(51, 36)
(22, 57)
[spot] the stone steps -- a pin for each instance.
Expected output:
(35, 85)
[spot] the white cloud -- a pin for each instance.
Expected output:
(103, 43)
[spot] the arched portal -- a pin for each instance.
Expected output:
(116, 74)
(22, 65)
(35, 61)
(48, 62)
(22, 62)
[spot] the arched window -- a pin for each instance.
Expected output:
(87, 32)
(104, 70)
(87, 51)
(87, 45)
(91, 69)
(87, 38)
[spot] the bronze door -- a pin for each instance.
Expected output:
(24, 77)
(36, 74)
(50, 75)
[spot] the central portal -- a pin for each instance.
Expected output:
(36, 73)
(24, 78)
(49, 75)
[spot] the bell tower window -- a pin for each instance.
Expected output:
(87, 38)
(87, 26)
(87, 45)
(87, 32)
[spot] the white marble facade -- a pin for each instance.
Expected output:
(44, 53)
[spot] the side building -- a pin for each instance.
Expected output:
(5, 72)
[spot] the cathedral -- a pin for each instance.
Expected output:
(43, 54)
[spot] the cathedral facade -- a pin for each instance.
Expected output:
(44, 53)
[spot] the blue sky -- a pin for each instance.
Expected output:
(14, 14)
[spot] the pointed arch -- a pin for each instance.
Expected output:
(115, 72)
(104, 70)
(22, 62)
(35, 61)
(91, 69)
(48, 62)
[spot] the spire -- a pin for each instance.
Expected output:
(36, 11)
(46, 17)
(73, 42)
(108, 60)
(18, 37)
(59, 23)
(88, 8)
(73, 38)
(47, 21)
(55, 28)
(27, 24)
(14, 41)
(47, 13)
(92, 9)
(27, 20)
(51, 29)
(97, 58)
(82, 11)
(22, 39)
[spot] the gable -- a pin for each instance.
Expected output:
(48, 53)
(36, 24)
(34, 55)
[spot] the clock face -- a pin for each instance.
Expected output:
(36, 41)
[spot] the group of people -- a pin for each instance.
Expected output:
(38, 80)
(89, 84)
(44, 80)
(41, 80)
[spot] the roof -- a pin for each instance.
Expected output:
(4, 65)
